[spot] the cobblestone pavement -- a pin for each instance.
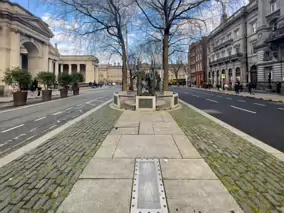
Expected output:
(40, 180)
(254, 177)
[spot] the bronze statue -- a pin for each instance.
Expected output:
(149, 82)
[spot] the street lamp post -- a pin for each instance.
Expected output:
(281, 65)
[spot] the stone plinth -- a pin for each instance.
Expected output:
(130, 101)
(145, 102)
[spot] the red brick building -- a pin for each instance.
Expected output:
(198, 61)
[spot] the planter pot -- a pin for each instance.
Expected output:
(46, 95)
(20, 98)
(63, 92)
(76, 90)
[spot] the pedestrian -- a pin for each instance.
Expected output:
(250, 87)
(226, 86)
(237, 88)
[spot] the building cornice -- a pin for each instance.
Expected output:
(243, 11)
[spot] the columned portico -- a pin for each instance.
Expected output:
(25, 43)
(20, 44)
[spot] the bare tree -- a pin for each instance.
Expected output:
(175, 68)
(171, 17)
(94, 19)
(166, 16)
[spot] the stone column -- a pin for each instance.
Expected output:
(89, 70)
(61, 68)
(97, 74)
(78, 68)
(233, 76)
(15, 49)
(50, 65)
(70, 69)
(56, 69)
(44, 59)
(227, 76)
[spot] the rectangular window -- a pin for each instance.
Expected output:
(254, 27)
(253, 50)
(237, 50)
(268, 74)
(229, 52)
(237, 33)
(223, 54)
(273, 6)
(229, 36)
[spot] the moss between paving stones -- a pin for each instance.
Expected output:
(253, 177)
(59, 161)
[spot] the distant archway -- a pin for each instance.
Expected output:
(30, 57)
(253, 74)
(238, 73)
(230, 76)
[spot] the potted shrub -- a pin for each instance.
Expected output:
(20, 81)
(46, 79)
(64, 80)
(76, 78)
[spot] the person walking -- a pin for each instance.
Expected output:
(237, 87)
(250, 87)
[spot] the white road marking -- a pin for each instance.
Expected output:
(229, 98)
(40, 119)
(241, 101)
(211, 100)
(57, 113)
(186, 93)
(243, 109)
(259, 104)
(69, 108)
(93, 104)
(196, 96)
(15, 127)
(219, 96)
(281, 109)
(3, 144)
(79, 105)
(16, 138)
(90, 101)
(32, 130)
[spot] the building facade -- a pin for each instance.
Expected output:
(230, 46)
(270, 43)
(25, 43)
(198, 61)
(249, 46)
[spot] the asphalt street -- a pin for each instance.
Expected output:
(261, 119)
(20, 126)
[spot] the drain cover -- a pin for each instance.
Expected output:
(148, 194)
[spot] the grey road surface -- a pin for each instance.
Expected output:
(261, 119)
(20, 126)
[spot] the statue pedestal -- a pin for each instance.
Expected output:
(131, 101)
(145, 102)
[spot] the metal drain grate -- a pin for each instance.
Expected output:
(148, 195)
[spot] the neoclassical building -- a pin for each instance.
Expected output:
(25, 43)
(270, 43)
(230, 47)
(249, 46)
(112, 73)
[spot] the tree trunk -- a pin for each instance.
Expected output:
(131, 80)
(166, 60)
(176, 74)
(124, 69)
